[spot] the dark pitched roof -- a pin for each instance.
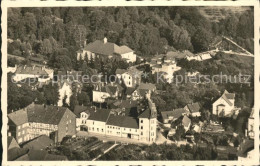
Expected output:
(9, 141)
(122, 121)
(39, 143)
(228, 96)
(15, 153)
(128, 104)
(18, 117)
(78, 109)
(130, 122)
(147, 86)
(177, 113)
(37, 155)
(100, 47)
(46, 114)
(120, 71)
(34, 70)
(245, 147)
(194, 107)
(107, 48)
(100, 115)
(130, 90)
(38, 113)
(114, 120)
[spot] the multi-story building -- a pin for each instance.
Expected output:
(35, 120)
(105, 50)
(130, 77)
(115, 123)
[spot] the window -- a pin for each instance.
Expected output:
(141, 133)
(129, 83)
(23, 132)
(93, 123)
(141, 121)
(129, 129)
(124, 128)
(141, 127)
(102, 130)
(20, 140)
(19, 133)
(19, 127)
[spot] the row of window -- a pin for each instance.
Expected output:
(37, 125)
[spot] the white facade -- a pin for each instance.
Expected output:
(147, 129)
(100, 97)
(128, 79)
(222, 107)
(130, 57)
(82, 120)
(96, 126)
(65, 90)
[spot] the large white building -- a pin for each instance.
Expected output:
(104, 49)
(130, 77)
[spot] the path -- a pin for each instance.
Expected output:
(110, 148)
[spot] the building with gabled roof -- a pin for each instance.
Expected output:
(130, 77)
(225, 105)
(102, 92)
(186, 122)
(35, 120)
(116, 122)
(106, 50)
(194, 109)
(23, 71)
(12, 143)
(170, 116)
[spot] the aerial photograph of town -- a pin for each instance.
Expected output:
(133, 83)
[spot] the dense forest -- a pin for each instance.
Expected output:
(57, 33)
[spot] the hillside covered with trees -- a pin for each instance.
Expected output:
(57, 33)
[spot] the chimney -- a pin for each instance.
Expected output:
(105, 40)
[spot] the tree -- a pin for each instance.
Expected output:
(46, 48)
(201, 40)
(83, 98)
(180, 133)
(30, 23)
(51, 94)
